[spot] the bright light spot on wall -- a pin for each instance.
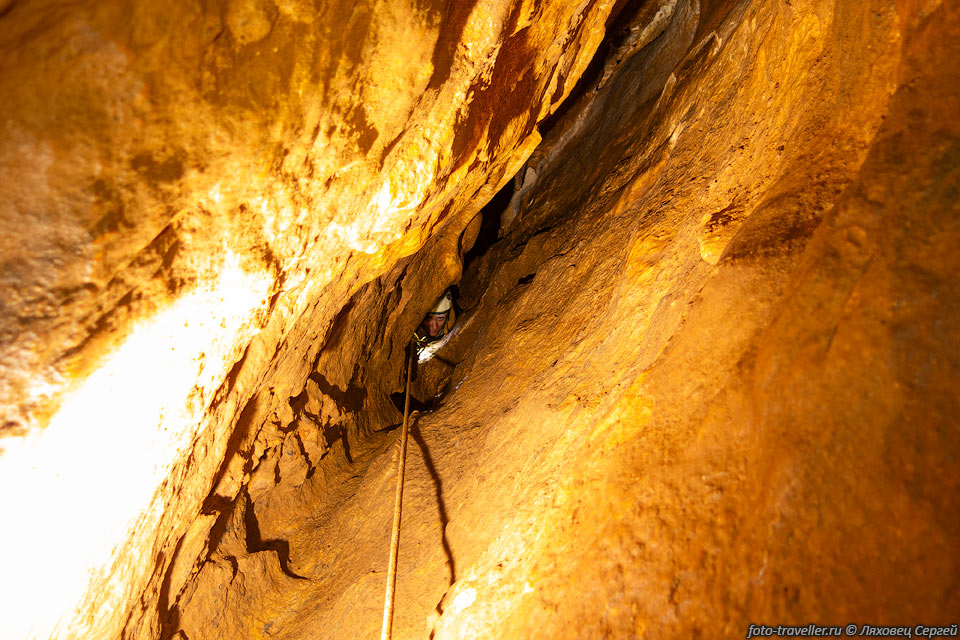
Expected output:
(73, 493)
(404, 189)
(463, 600)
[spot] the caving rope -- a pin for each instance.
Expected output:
(386, 630)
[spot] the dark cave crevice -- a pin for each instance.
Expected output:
(488, 235)
(617, 30)
(256, 544)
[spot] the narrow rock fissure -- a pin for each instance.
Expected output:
(503, 237)
(491, 214)
(696, 371)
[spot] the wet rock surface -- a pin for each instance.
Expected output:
(704, 367)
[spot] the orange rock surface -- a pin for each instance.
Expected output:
(704, 371)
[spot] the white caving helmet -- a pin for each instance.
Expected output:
(443, 303)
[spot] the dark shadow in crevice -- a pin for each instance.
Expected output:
(297, 404)
(335, 432)
(223, 509)
(489, 225)
(399, 398)
(214, 503)
(174, 636)
(349, 399)
(234, 566)
(255, 544)
(6, 10)
(441, 506)
(617, 29)
(169, 614)
(454, 22)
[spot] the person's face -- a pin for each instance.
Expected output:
(433, 324)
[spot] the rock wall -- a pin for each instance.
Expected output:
(703, 379)
(192, 193)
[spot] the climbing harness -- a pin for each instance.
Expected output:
(386, 630)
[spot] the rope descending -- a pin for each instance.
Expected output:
(386, 631)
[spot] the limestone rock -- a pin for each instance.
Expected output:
(264, 476)
(292, 463)
(705, 374)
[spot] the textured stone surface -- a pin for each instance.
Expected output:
(705, 377)
(192, 192)
(676, 404)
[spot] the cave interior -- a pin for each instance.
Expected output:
(704, 257)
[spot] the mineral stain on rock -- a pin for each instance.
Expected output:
(158, 170)
(705, 356)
